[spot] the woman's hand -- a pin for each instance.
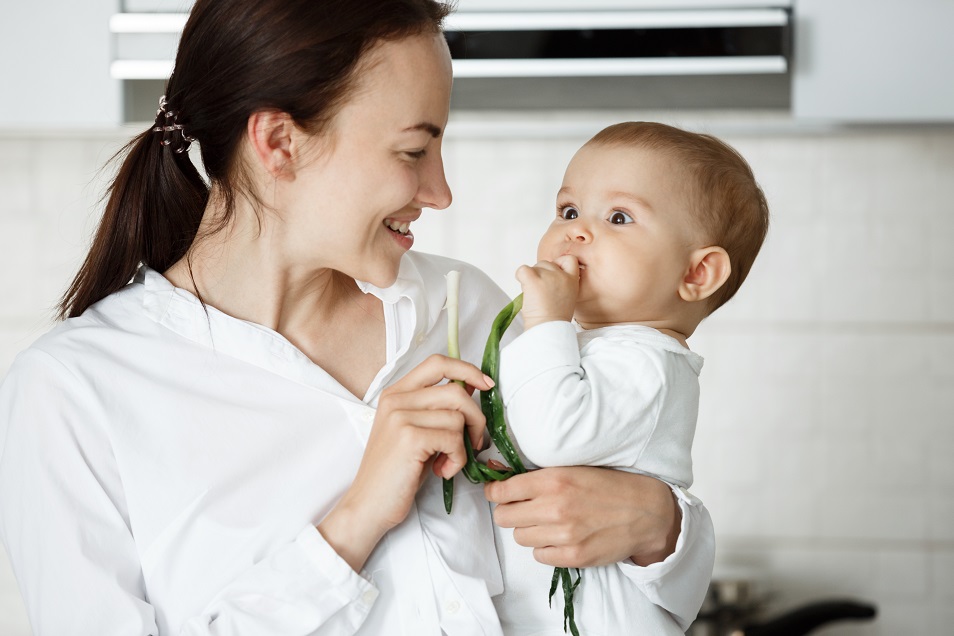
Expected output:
(581, 516)
(418, 418)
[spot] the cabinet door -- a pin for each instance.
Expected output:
(874, 60)
(55, 58)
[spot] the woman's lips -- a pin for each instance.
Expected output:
(401, 227)
(401, 232)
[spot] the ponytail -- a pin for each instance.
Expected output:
(152, 215)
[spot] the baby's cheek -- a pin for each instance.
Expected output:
(545, 247)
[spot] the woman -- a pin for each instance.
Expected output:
(240, 440)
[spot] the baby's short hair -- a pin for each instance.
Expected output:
(724, 197)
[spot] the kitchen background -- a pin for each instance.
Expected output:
(827, 421)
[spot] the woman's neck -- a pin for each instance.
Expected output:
(243, 271)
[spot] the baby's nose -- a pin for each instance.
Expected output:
(579, 233)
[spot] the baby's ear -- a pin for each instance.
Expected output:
(709, 268)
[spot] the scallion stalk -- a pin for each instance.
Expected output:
(491, 403)
(453, 351)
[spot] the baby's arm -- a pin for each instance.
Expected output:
(549, 290)
(565, 410)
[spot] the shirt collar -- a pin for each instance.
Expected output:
(416, 283)
(181, 312)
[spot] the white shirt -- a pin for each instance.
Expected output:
(162, 469)
(624, 396)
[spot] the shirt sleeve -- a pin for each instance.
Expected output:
(565, 410)
(679, 583)
(64, 521)
(596, 410)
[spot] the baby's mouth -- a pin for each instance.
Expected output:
(402, 228)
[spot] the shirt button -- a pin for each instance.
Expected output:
(368, 416)
(421, 337)
(452, 607)
(368, 596)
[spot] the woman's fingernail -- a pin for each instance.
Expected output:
(489, 380)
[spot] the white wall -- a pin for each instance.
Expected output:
(824, 442)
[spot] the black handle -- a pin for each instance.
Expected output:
(805, 619)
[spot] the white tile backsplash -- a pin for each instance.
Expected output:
(15, 182)
(19, 244)
(825, 430)
(904, 575)
(941, 581)
(940, 514)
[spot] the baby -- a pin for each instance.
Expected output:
(655, 229)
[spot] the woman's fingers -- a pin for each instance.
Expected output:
(582, 516)
(437, 368)
(443, 398)
(425, 434)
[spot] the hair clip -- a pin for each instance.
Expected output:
(166, 123)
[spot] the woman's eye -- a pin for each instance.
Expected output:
(416, 154)
(620, 218)
(568, 213)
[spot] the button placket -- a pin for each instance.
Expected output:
(368, 596)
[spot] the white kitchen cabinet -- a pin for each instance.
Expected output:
(608, 5)
(873, 61)
(55, 59)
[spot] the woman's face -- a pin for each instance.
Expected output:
(367, 177)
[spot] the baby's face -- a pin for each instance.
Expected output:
(622, 213)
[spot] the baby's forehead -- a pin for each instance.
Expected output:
(627, 153)
(626, 165)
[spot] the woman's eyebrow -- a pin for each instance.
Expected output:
(431, 129)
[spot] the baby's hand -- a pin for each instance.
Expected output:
(549, 290)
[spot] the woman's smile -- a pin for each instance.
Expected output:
(401, 231)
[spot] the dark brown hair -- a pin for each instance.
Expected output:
(723, 195)
(235, 57)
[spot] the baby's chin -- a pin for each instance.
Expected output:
(601, 317)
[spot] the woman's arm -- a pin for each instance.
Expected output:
(65, 522)
(584, 516)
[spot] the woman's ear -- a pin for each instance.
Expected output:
(270, 137)
(709, 268)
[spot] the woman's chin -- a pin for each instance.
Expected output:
(382, 277)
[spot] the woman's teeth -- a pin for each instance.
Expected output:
(400, 228)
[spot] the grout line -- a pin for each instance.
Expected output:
(831, 327)
(855, 544)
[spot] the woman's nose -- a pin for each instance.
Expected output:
(434, 192)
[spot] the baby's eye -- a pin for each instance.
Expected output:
(620, 218)
(568, 213)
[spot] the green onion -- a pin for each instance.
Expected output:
(491, 403)
(453, 351)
